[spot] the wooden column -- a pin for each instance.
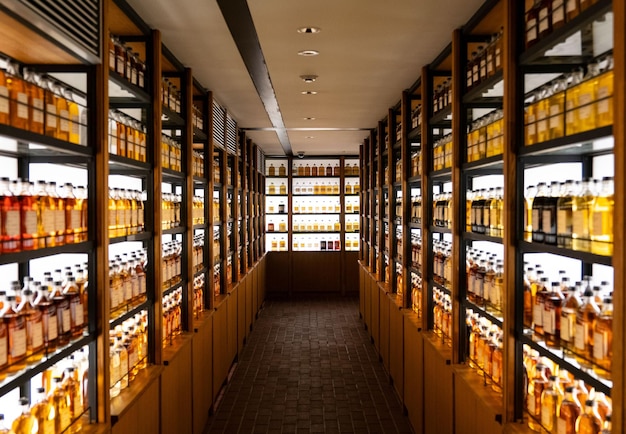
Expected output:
(427, 193)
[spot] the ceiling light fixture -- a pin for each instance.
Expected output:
(309, 30)
(309, 137)
(309, 119)
(308, 53)
(309, 92)
(310, 78)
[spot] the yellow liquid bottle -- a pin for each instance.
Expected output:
(46, 208)
(61, 403)
(572, 125)
(35, 102)
(587, 97)
(602, 219)
(18, 98)
(589, 422)
(556, 104)
(603, 339)
(569, 411)
(43, 411)
(25, 422)
(74, 118)
(581, 213)
(604, 105)
(551, 399)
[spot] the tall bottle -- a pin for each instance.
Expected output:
(552, 316)
(34, 326)
(602, 219)
(587, 97)
(10, 233)
(71, 385)
(18, 97)
(43, 411)
(64, 318)
(61, 403)
(46, 208)
(551, 398)
(538, 383)
(585, 321)
(603, 338)
(537, 212)
(564, 221)
(29, 211)
(16, 327)
(549, 214)
(569, 310)
(77, 308)
(582, 205)
(25, 422)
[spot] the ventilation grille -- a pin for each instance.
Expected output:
(218, 125)
(77, 19)
(231, 135)
(260, 160)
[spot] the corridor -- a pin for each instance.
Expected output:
(309, 367)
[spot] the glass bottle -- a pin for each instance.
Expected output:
(43, 411)
(529, 197)
(551, 320)
(77, 309)
(46, 207)
(18, 97)
(603, 338)
(582, 205)
(585, 320)
(72, 214)
(558, 13)
(607, 427)
(572, 9)
(35, 101)
(49, 316)
(549, 214)
(542, 111)
(602, 219)
(64, 316)
(604, 105)
(556, 105)
(528, 297)
(537, 212)
(71, 386)
(34, 326)
(545, 18)
(59, 213)
(551, 398)
(532, 24)
(569, 411)
(538, 383)
(10, 234)
(16, 328)
(589, 421)
(541, 292)
(564, 223)
(73, 116)
(61, 403)
(569, 310)
(587, 97)
(25, 423)
(4, 99)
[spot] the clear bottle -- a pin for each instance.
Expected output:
(564, 221)
(602, 219)
(49, 315)
(569, 411)
(537, 212)
(551, 398)
(73, 117)
(10, 233)
(25, 422)
(16, 328)
(582, 205)
(114, 370)
(589, 421)
(569, 310)
(585, 320)
(538, 383)
(556, 103)
(603, 338)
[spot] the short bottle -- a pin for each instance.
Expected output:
(589, 422)
(25, 423)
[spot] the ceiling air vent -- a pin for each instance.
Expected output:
(231, 135)
(74, 24)
(219, 128)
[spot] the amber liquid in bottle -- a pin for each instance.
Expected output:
(43, 411)
(16, 326)
(25, 423)
(581, 212)
(61, 403)
(603, 339)
(34, 328)
(18, 102)
(4, 99)
(568, 412)
(10, 234)
(589, 422)
(602, 220)
(36, 108)
(538, 384)
(572, 9)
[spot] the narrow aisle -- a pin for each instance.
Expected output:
(309, 367)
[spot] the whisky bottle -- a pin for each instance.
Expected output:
(602, 219)
(604, 106)
(49, 318)
(572, 119)
(43, 411)
(587, 97)
(9, 219)
(542, 110)
(537, 212)
(603, 338)
(72, 214)
(552, 316)
(35, 101)
(16, 328)
(582, 205)
(73, 116)
(558, 13)
(551, 398)
(569, 411)
(541, 293)
(585, 321)
(61, 403)
(549, 214)
(537, 385)
(589, 421)
(46, 208)
(25, 422)
(564, 221)
(77, 309)
(34, 326)
(71, 387)
(529, 297)
(18, 97)
(572, 9)
(59, 213)
(556, 105)
(64, 316)
(569, 310)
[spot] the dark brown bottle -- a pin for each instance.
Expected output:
(545, 18)
(532, 24)
(558, 13)
(552, 316)
(548, 219)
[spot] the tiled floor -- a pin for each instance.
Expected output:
(309, 367)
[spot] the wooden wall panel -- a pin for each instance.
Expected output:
(396, 347)
(254, 288)
(220, 345)
(249, 305)
(414, 372)
(135, 420)
(362, 277)
(202, 369)
(176, 391)
(232, 305)
(277, 273)
(351, 272)
(241, 313)
(438, 387)
(316, 272)
(384, 329)
(375, 315)
(367, 302)
(473, 404)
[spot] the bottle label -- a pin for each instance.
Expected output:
(600, 345)
(571, 5)
(74, 220)
(120, 64)
(563, 228)
(4, 100)
(547, 415)
(603, 106)
(74, 125)
(4, 345)
(581, 333)
(531, 405)
(51, 116)
(538, 314)
(47, 221)
(546, 220)
(548, 320)
(78, 311)
(38, 108)
(578, 224)
(558, 14)
(17, 338)
(555, 119)
(544, 23)
(66, 320)
(490, 63)
(568, 326)
(51, 324)
(12, 223)
(22, 105)
(598, 226)
(112, 60)
(35, 331)
(561, 426)
(59, 220)
(64, 122)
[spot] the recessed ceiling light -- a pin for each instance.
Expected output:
(309, 92)
(308, 53)
(309, 119)
(310, 78)
(309, 137)
(309, 30)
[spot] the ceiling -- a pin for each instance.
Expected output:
(369, 52)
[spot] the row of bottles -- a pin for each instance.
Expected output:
(61, 399)
(128, 352)
(576, 215)
(576, 318)
(197, 118)
(170, 95)
(572, 103)
(197, 164)
(127, 136)
(416, 163)
(442, 263)
(416, 117)
(126, 63)
(126, 212)
(198, 252)
(172, 316)
(282, 189)
(545, 16)
(39, 215)
(484, 342)
(485, 62)
(442, 96)
(442, 210)
(172, 263)
(40, 316)
(416, 209)
(198, 295)
(171, 154)
(442, 315)
(416, 294)
(317, 207)
(557, 401)
(282, 226)
(170, 210)
(352, 242)
(40, 104)
(485, 280)
(316, 225)
(485, 211)
(316, 243)
(442, 153)
(486, 137)
(127, 281)
(197, 215)
(217, 280)
(282, 170)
